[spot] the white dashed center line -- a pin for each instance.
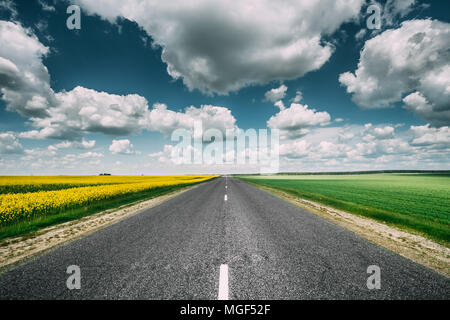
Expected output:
(223, 282)
(226, 198)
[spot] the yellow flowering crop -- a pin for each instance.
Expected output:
(74, 192)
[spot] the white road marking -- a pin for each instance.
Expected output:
(226, 198)
(223, 282)
(226, 187)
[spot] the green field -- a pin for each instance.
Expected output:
(416, 201)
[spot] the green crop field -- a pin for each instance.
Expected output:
(416, 201)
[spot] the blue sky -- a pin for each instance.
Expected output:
(370, 99)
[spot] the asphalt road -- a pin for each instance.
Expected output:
(273, 250)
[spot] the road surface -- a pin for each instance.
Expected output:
(222, 239)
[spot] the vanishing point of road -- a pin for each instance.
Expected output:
(222, 239)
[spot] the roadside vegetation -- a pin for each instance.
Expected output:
(419, 202)
(28, 204)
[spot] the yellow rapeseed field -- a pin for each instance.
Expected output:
(73, 192)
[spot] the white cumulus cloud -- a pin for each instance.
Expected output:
(24, 79)
(294, 121)
(122, 147)
(81, 111)
(160, 118)
(9, 143)
(222, 46)
(412, 58)
(275, 94)
(83, 144)
(428, 136)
